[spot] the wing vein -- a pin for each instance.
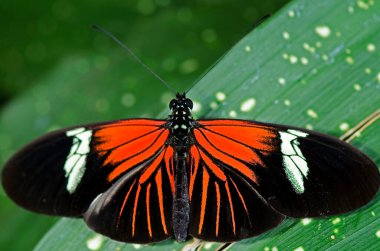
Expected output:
(242, 200)
(123, 205)
(135, 210)
(231, 207)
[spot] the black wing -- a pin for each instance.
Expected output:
(298, 172)
(114, 167)
(223, 206)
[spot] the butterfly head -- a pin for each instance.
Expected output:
(181, 103)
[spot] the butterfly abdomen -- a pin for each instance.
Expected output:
(181, 207)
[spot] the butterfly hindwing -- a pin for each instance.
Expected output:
(300, 173)
(224, 207)
(137, 208)
(62, 172)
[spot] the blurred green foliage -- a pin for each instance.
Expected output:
(177, 38)
(56, 71)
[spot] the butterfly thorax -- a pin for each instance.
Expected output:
(181, 121)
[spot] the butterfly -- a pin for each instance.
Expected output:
(146, 180)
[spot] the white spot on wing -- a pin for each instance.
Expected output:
(293, 174)
(75, 131)
(294, 162)
(301, 164)
(298, 133)
(76, 160)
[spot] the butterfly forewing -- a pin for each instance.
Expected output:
(298, 172)
(52, 175)
(62, 172)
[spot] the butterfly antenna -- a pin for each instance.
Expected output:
(124, 46)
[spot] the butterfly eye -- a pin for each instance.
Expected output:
(172, 103)
(189, 103)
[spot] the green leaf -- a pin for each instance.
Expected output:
(315, 65)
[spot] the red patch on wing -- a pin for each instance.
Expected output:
(129, 143)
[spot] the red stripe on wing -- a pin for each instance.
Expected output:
(256, 136)
(194, 168)
(147, 173)
(169, 164)
(110, 136)
(233, 148)
(161, 200)
(225, 158)
(214, 168)
(133, 154)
